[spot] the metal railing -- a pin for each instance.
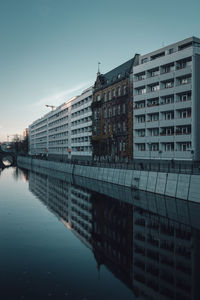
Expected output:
(179, 167)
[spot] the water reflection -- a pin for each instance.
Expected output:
(150, 242)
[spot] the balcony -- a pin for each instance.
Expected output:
(152, 124)
(166, 76)
(140, 125)
(153, 94)
(139, 97)
(152, 79)
(183, 104)
(139, 83)
(139, 111)
(183, 71)
(166, 138)
(183, 121)
(167, 91)
(183, 88)
(166, 106)
(167, 123)
(183, 137)
(139, 139)
(152, 108)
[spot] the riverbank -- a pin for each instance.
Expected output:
(182, 186)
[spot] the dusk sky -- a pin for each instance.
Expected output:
(49, 49)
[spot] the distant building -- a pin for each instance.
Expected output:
(64, 132)
(166, 122)
(25, 133)
(112, 109)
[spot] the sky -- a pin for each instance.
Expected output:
(50, 49)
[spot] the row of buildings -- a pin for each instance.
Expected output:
(146, 108)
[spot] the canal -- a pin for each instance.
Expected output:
(72, 238)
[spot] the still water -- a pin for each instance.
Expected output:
(71, 238)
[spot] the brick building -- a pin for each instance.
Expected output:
(112, 114)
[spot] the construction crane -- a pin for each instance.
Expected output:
(52, 106)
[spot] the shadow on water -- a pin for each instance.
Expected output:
(148, 241)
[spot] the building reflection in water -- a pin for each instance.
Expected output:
(149, 242)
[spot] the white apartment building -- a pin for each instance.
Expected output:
(81, 125)
(166, 118)
(64, 132)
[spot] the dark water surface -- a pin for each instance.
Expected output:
(70, 238)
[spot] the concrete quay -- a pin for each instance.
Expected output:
(181, 186)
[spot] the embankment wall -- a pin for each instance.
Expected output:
(182, 186)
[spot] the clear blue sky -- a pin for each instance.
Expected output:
(49, 49)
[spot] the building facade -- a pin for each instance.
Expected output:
(112, 109)
(167, 103)
(64, 132)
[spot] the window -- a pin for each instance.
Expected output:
(167, 69)
(109, 95)
(124, 126)
(154, 117)
(184, 146)
(154, 147)
(124, 108)
(154, 72)
(169, 115)
(183, 129)
(184, 46)
(141, 91)
(124, 89)
(119, 91)
(154, 88)
(141, 147)
(114, 93)
(140, 76)
(168, 84)
(114, 127)
(153, 102)
(114, 110)
(185, 113)
(169, 131)
(169, 147)
(118, 109)
(104, 129)
(171, 50)
(167, 100)
(144, 60)
(141, 133)
(154, 132)
(157, 55)
(141, 119)
(140, 104)
(181, 64)
(109, 128)
(98, 98)
(184, 80)
(185, 97)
